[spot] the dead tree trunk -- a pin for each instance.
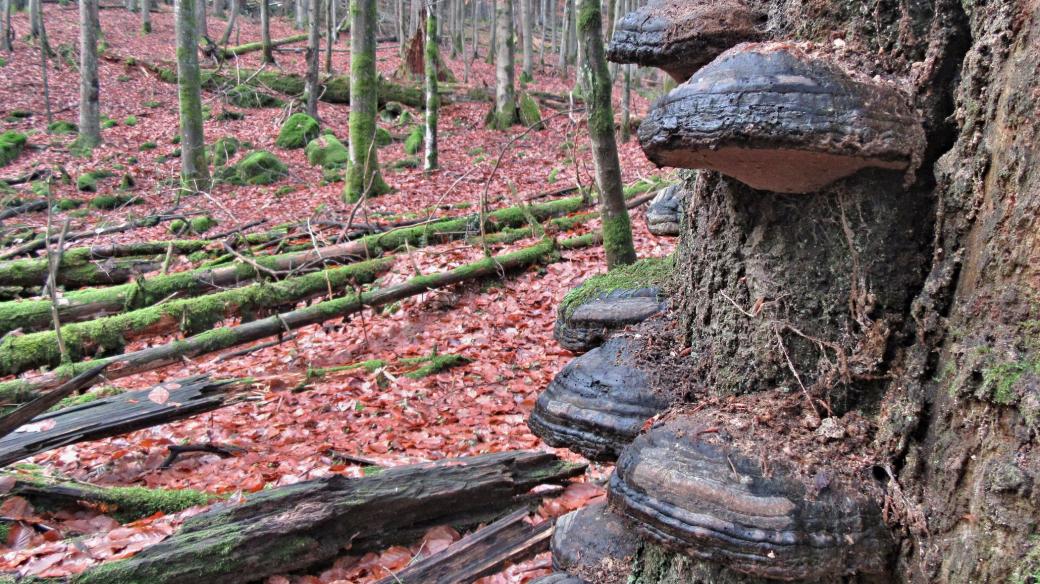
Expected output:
(291, 528)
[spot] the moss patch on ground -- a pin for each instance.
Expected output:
(11, 145)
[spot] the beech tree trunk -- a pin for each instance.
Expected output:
(527, 29)
(363, 176)
(265, 31)
(6, 32)
(313, 50)
(89, 108)
(34, 18)
(431, 58)
(194, 167)
(617, 228)
(505, 94)
(146, 16)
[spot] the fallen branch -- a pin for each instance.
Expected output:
(42, 242)
(292, 528)
(20, 209)
(176, 450)
(239, 50)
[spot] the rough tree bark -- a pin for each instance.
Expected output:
(617, 228)
(89, 108)
(363, 176)
(194, 168)
(433, 100)
(505, 94)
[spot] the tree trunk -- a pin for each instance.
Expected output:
(201, 21)
(402, 27)
(232, 19)
(493, 27)
(89, 108)
(34, 18)
(331, 32)
(527, 29)
(194, 167)
(505, 94)
(292, 528)
(301, 20)
(6, 32)
(363, 176)
(433, 99)
(265, 32)
(146, 16)
(617, 229)
(565, 37)
(313, 50)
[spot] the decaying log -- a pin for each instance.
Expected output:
(32, 207)
(246, 48)
(41, 242)
(115, 415)
(22, 415)
(481, 553)
(291, 528)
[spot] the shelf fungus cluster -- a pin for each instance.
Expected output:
(781, 118)
(680, 37)
(664, 215)
(582, 327)
(686, 486)
(599, 402)
(594, 545)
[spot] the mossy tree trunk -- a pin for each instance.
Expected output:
(89, 89)
(505, 93)
(527, 29)
(432, 98)
(313, 49)
(617, 228)
(265, 31)
(194, 168)
(363, 176)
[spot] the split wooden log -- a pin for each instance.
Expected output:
(116, 415)
(108, 335)
(223, 338)
(34, 315)
(481, 553)
(294, 527)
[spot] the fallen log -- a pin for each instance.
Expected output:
(291, 528)
(481, 553)
(34, 315)
(115, 415)
(42, 242)
(24, 208)
(22, 415)
(223, 338)
(108, 335)
(238, 50)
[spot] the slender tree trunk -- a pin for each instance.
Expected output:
(505, 94)
(89, 108)
(313, 49)
(528, 46)
(194, 168)
(363, 176)
(474, 30)
(617, 229)
(45, 51)
(300, 22)
(572, 32)
(265, 31)
(6, 33)
(34, 13)
(432, 98)
(402, 27)
(546, 4)
(493, 27)
(232, 18)
(332, 33)
(146, 16)
(218, 8)
(565, 37)
(201, 22)
(626, 103)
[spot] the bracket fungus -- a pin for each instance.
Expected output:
(779, 117)
(559, 578)
(664, 214)
(588, 324)
(680, 37)
(687, 487)
(594, 544)
(598, 402)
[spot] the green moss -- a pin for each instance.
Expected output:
(108, 123)
(530, 114)
(148, 146)
(90, 396)
(327, 151)
(226, 115)
(114, 201)
(130, 121)
(414, 142)
(297, 131)
(246, 96)
(62, 127)
(383, 137)
(1001, 381)
(1027, 571)
(406, 162)
(67, 204)
(224, 149)
(617, 239)
(644, 273)
(260, 168)
(11, 145)
(434, 364)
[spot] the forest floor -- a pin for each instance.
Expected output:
(504, 328)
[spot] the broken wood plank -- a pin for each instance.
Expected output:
(481, 553)
(115, 415)
(294, 527)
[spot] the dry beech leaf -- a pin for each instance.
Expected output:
(159, 395)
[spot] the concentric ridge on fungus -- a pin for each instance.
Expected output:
(598, 403)
(595, 320)
(679, 36)
(777, 118)
(686, 488)
(594, 544)
(664, 214)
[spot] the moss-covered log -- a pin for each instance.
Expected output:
(294, 527)
(335, 89)
(239, 50)
(108, 335)
(96, 265)
(114, 416)
(41, 242)
(218, 339)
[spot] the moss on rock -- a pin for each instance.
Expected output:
(11, 145)
(224, 149)
(327, 151)
(248, 97)
(530, 113)
(114, 201)
(297, 131)
(62, 127)
(413, 143)
(383, 137)
(260, 168)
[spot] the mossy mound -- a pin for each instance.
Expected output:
(197, 225)
(248, 97)
(327, 151)
(62, 127)
(297, 131)
(383, 137)
(413, 143)
(260, 168)
(406, 162)
(11, 145)
(224, 149)
(87, 182)
(67, 204)
(530, 113)
(114, 201)
(646, 273)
